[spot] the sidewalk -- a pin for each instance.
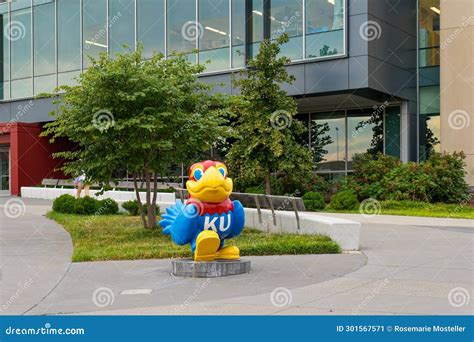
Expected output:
(35, 254)
(407, 266)
(405, 220)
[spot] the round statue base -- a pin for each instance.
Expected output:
(212, 269)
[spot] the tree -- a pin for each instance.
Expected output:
(135, 115)
(320, 138)
(266, 132)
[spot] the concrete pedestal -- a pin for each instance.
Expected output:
(213, 269)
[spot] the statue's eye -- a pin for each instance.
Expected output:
(222, 171)
(197, 174)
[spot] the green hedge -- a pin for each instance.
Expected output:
(133, 209)
(68, 204)
(439, 179)
(313, 201)
(344, 200)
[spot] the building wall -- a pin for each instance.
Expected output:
(30, 155)
(457, 79)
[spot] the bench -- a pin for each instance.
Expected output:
(259, 201)
(122, 185)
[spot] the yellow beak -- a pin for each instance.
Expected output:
(213, 187)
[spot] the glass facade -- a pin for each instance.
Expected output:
(336, 137)
(4, 169)
(47, 42)
(429, 91)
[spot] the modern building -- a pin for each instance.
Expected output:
(394, 76)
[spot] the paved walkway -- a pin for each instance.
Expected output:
(408, 266)
(35, 254)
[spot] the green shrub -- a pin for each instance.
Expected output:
(313, 201)
(448, 177)
(369, 173)
(64, 204)
(133, 209)
(298, 184)
(344, 200)
(85, 206)
(68, 204)
(255, 190)
(407, 182)
(107, 207)
(439, 179)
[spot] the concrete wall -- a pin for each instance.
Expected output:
(457, 79)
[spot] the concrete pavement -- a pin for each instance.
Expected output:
(35, 254)
(407, 266)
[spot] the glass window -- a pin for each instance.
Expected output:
(69, 35)
(44, 39)
(19, 34)
(68, 78)
(287, 17)
(20, 4)
(324, 28)
(214, 38)
(433, 132)
(430, 128)
(5, 53)
(151, 26)
(182, 28)
(257, 27)
(365, 133)
(22, 88)
(45, 84)
(122, 25)
(429, 23)
(94, 29)
(429, 100)
(5, 90)
(238, 34)
(328, 141)
(429, 16)
(392, 131)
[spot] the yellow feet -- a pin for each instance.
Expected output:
(207, 244)
(228, 253)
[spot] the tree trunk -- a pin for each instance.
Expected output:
(268, 184)
(148, 200)
(140, 206)
(152, 218)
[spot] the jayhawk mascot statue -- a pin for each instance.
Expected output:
(209, 217)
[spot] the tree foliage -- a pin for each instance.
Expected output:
(266, 130)
(139, 116)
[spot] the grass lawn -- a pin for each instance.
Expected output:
(122, 237)
(409, 208)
